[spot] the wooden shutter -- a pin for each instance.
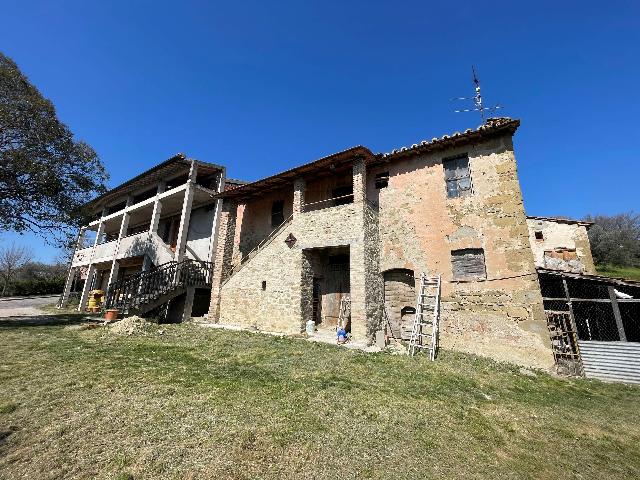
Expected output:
(468, 264)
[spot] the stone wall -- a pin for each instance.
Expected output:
(254, 219)
(501, 316)
(286, 302)
(410, 224)
(276, 304)
(560, 237)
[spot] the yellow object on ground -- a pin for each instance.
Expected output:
(95, 299)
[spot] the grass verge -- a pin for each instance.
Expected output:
(180, 401)
(629, 273)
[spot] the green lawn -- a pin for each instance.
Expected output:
(181, 401)
(629, 273)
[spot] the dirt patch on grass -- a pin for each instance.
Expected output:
(133, 325)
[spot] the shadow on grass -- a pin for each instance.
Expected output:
(46, 320)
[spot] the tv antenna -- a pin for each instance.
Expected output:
(477, 99)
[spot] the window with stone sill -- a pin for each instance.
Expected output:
(457, 176)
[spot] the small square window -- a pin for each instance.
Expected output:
(457, 176)
(468, 264)
(382, 180)
(539, 236)
(264, 285)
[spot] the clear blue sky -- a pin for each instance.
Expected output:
(264, 86)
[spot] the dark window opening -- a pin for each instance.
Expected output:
(468, 264)
(138, 229)
(264, 285)
(277, 213)
(141, 197)
(382, 180)
(539, 235)
(116, 208)
(176, 182)
(342, 195)
(457, 177)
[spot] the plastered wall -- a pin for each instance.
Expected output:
(559, 235)
(501, 316)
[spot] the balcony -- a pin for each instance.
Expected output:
(104, 251)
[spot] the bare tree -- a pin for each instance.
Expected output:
(12, 258)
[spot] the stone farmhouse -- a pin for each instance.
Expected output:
(182, 240)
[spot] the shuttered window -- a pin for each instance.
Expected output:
(468, 264)
(457, 176)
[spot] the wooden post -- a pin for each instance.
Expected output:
(616, 313)
(572, 317)
(574, 328)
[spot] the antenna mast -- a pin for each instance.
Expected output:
(477, 99)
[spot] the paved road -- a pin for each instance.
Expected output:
(24, 307)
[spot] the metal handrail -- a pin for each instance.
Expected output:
(263, 243)
(145, 287)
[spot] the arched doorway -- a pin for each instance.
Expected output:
(399, 301)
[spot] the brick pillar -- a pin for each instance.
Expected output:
(299, 186)
(222, 255)
(357, 276)
(359, 181)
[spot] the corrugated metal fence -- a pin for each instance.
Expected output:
(612, 361)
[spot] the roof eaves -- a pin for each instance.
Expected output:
(587, 276)
(561, 220)
(493, 127)
(282, 178)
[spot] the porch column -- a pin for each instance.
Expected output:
(64, 300)
(299, 186)
(157, 209)
(115, 266)
(87, 288)
(81, 236)
(359, 181)
(185, 217)
(99, 234)
(222, 255)
(90, 268)
(364, 275)
(216, 217)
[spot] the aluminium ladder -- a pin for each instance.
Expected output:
(426, 326)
